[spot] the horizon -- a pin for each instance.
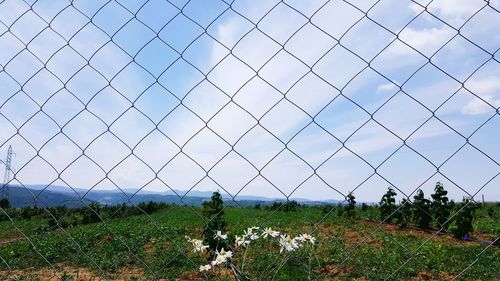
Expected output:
(206, 194)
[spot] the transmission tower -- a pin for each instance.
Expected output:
(4, 191)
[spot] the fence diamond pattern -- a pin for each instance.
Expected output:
(122, 89)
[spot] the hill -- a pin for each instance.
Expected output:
(54, 195)
(20, 196)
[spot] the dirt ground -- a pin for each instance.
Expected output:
(83, 274)
(76, 274)
(441, 237)
(429, 276)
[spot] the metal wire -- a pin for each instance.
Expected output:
(181, 56)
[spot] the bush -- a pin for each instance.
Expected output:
(350, 208)
(491, 212)
(91, 214)
(364, 207)
(388, 205)
(4, 203)
(288, 206)
(440, 206)
(462, 223)
(403, 215)
(340, 210)
(421, 210)
(327, 208)
(213, 211)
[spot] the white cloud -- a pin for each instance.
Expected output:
(476, 106)
(254, 10)
(386, 87)
(230, 31)
(427, 40)
(455, 12)
(416, 8)
(372, 138)
(484, 86)
(488, 89)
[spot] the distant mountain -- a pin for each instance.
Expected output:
(54, 195)
(20, 196)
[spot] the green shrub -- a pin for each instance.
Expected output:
(290, 206)
(388, 205)
(364, 207)
(350, 208)
(421, 210)
(440, 206)
(213, 211)
(4, 203)
(287, 206)
(491, 212)
(340, 210)
(403, 216)
(462, 223)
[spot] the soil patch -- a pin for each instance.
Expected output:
(76, 274)
(334, 272)
(353, 238)
(441, 237)
(432, 276)
(149, 246)
(221, 274)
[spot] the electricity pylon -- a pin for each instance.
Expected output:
(4, 191)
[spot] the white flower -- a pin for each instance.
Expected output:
(197, 244)
(300, 238)
(247, 233)
(225, 254)
(240, 240)
(249, 230)
(220, 236)
(308, 237)
(287, 243)
(219, 260)
(200, 248)
(297, 242)
(190, 240)
(194, 241)
(269, 232)
(254, 236)
(205, 267)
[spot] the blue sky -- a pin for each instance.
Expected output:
(308, 99)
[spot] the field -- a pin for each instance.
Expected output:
(153, 247)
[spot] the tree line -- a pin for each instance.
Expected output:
(65, 217)
(438, 211)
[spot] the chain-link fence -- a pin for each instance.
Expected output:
(257, 99)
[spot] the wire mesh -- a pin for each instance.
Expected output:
(286, 51)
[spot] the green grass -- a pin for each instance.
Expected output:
(157, 240)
